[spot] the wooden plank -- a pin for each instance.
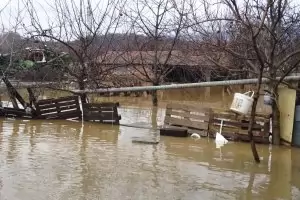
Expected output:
(176, 106)
(245, 138)
(100, 105)
(8, 108)
(195, 118)
(237, 124)
(255, 133)
(110, 122)
(62, 115)
(97, 112)
(59, 113)
(60, 104)
(187, 115)
(103, 121)
(217, 122)
(115, 118)
(256, 126)
(102, 116)
(103, 112)
(173, 131)
(233, 117)
(103, 109)
(70, 114)
(224, 131)
(68, 107)
(15, 112)
(226, 116)
(145, 140)
(203, 133)
(257, 115)
(69, 110)
(61, 108)
(61, 99)
(116, 113)
(13, 92)
(236, 136)
(58, 110)
(186, 123)
(174, 127)
(13, 100)
(103, 104)
(49, 110)
(108, 109)
(49, 105)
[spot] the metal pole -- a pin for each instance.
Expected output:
(186, 85)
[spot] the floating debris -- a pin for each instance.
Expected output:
(145, 140)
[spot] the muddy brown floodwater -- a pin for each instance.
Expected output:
(62, 160)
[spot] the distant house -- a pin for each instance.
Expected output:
(177, 66)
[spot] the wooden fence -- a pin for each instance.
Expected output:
(195, 119)
(207, 122)
(68, 108)
(101, 112)
(14, 112)
(235, 127)
(61, 108)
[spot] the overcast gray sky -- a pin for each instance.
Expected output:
(14, 10)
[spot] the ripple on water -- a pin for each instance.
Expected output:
(64, 160)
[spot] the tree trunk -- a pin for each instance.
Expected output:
(276, 124)
(83, 96)
(275, 114)
(154, 96)
(251, 123)
(14, 94)
(154, 117)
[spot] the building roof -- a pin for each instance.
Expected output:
(179, 58)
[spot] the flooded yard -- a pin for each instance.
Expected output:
(61, 160)
(74, 160)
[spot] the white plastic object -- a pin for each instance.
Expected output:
(195, 136)
(220, 139)
(242, 103)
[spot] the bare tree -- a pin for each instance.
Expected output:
(262, 35)
(84, 29)
(11, 16)
(161, 23)
(271, 46)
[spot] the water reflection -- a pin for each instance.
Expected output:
(74, 160)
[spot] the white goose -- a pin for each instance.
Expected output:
(220, 139)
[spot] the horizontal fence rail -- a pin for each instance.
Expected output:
(185, 85)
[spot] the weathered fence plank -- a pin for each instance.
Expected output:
(101, 112)
(206, 122)
(15, 113)
(61, 108)
(235, 127)
(193, 118)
